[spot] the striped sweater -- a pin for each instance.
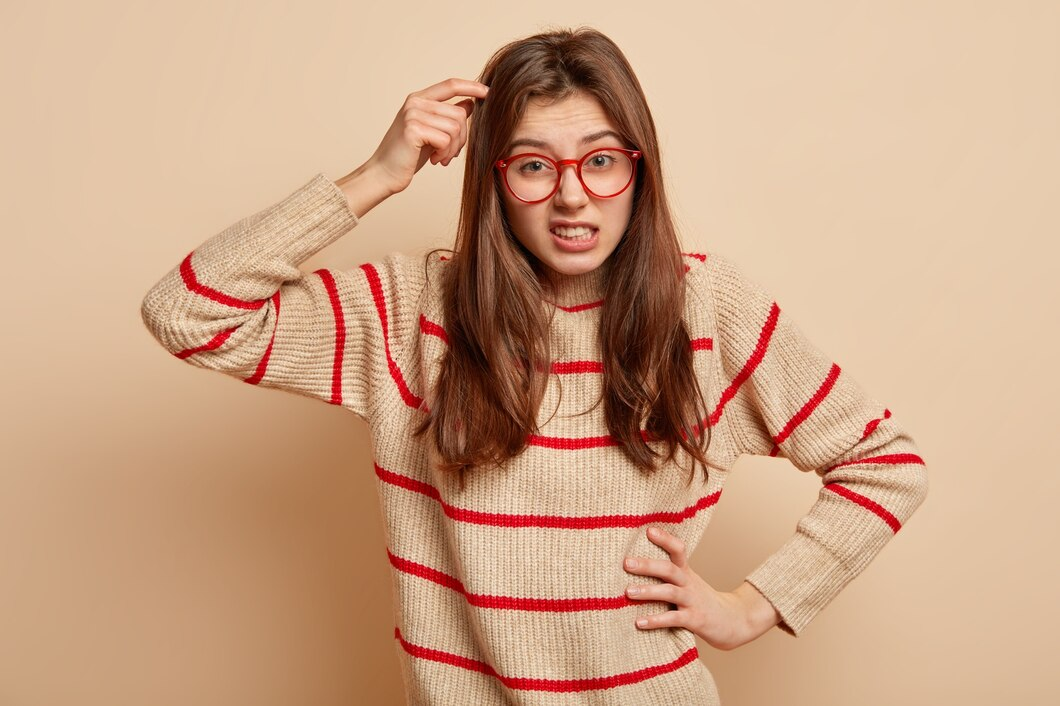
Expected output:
(512, 590)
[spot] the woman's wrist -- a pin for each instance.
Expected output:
(364, 189)
(758, 611)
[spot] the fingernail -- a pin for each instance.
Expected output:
(633, 590)
(641, 622)
(631, 563)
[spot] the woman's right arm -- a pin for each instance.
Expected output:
(239, 304)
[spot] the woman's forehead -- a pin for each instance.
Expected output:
(580, 105)
(578, 120)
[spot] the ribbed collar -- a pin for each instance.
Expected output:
(572, 290)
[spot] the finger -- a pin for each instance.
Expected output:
(467, 105)
(656, 592)
(661, 568)
(672, 544)
(460, 112)
(440, 125)
(428, 138)
(452, 87)
(435, 120)
(447, 117)
(669, 619)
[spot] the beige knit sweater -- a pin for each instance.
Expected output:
(513, 590)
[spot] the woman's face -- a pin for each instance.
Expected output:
(559, 130)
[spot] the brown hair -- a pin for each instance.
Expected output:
(495, 371)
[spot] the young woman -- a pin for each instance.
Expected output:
(556, 403)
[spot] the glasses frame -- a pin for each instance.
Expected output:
(503, 164)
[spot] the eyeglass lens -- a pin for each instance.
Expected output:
(605, 173)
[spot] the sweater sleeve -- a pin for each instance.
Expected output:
(787, 398)
(239, 304)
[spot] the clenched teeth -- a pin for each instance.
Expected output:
(572, 232)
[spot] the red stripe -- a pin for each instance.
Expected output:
(579, 307)
(187, 273)
(807, 409)
(698, 428)
(570, 443)
(412, 400)
(432, 329)
(497, 519)
(577, 366)
(871, 426)
(698, 255)
(884, 459)
(702, 344)
(867, 504)
(764, 337)
(481, 600)
(541, 684)
(263, 364)
(340, 334)
(213, 343)
(565, 443)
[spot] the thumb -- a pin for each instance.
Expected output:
(468, 104)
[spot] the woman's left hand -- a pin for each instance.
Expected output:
(718, 617)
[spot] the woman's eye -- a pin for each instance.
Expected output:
(533, 166)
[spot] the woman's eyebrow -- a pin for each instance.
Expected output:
(591, 137)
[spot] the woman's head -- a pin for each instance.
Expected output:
(568, 227)
(555, 89)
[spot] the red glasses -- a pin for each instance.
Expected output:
(605, 173)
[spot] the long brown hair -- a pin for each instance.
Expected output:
(496, 369)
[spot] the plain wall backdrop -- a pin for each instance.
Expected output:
(888, 170)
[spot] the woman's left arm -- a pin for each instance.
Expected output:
(786, 398)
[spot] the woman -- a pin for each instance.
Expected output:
(556, 404)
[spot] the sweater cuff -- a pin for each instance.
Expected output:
(800, 579)
(312, 217)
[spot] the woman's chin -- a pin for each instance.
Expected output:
(568, 268)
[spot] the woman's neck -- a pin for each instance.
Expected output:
(573, 289)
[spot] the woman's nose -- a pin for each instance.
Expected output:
(571, 192)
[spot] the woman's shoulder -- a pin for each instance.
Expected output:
(716, 283)
(695, 260)
(706, 259)
(710, 272)
(698, 264)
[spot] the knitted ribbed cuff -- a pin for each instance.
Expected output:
(799, 579)
(316, 214)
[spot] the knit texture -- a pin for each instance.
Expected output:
(512, 590)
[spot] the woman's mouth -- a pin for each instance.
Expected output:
(578, 233)
(574, 239)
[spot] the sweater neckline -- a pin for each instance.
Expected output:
(574, 290)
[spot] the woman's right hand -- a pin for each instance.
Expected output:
(425, 128)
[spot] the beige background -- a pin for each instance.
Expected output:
(170, 536)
